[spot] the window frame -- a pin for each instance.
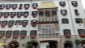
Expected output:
(34, 23)
(62, 3)
(24, 22)
(18, 22)
(1, 13)
(65, 21)
(4, 22)
(74, 4)
(8, 33)
(33, 32)
(34, 13)
(6, 14)
(19, 14)
(16, 32)
(67, 31)
(11, 22)
(2, 6)
(34, 6)
(26, 6)
(23, 32)
(26, 14)
(76, 12)
(64, 12)
(2, 32)
(8, 6)
(77, 21)
(14, 6)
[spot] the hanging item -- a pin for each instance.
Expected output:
(35, 5)
(2, 6)
(1, 14)
(34, 13)
(25, 14)
(13, 14)
(15, 34)
(19, 14)
(14, 6)
(34, 23)
(8, 34)
(24, 23)
(4, 23)
(6, 14)
(62, 3)
(23, 34)
(10, 23)
(26, 6)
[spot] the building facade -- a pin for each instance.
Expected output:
(42, 24)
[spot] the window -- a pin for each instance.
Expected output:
(13, 14)
(20, 6)
(54, 12)
(24, 23)
(76, 12)
(8, 6)
(64, 12)
(47, 13)
(23, 34)
(34, 13)
(8, 34)
(78, 20)
(18, 22)
(11, 22)
(81, 32)
(2, 6)
(4, 23)
(67, 33)
(33, 32)
(34, 23)
(0, 22)
(1, 14)
(35, 5)
(19, 14)
(65, 21)
(41, 13)
(26, 14)
(15, 33)
(14, 6)
(6, 14)
(74, 3)
(26, 6)
(62, 3)
(2, 33)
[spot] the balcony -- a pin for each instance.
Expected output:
(52, 35)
